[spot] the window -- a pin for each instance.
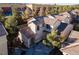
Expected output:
(37, 27)
(48, 26)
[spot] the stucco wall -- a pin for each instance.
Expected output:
(3, 45)
(33, 27)
(39, 35)
(27, 41)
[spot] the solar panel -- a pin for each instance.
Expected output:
(61, 27)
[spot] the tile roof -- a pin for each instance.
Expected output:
(73, 37)
(67, 30)
(73, 43)
(60, 17)
(75, 12)
(39, 20)
(65, 13)
(30, 20)
(27, 32)
(63, 16)
(51, 16)
(49, 21)
(73, 50)
(74, 34)
(2, 30)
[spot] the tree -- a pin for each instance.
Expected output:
(27, 13)
(62, 39)
(10, 24)
(42, 11)
(47, 11)
(36, 11)
(18, 15)
(2, 17)
(52, 40)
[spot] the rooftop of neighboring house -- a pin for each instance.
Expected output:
(49, 21)
(67, 30)
(73, 37)
(37, 20)
(74, 12)
(74, 34)
(72, 44)
(2, 30)
(63, 16)
(31, 19)
(60, 17)
(51, 16)
(71, 50)
(26, 31)
(65, 13)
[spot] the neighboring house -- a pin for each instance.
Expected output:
(75, 12)
(37, 28)
(42, 24)
(35, 24)
(72, 44)
(73, 37)
(48, 23)
(66, 14)
(32, 33)
(67, 30)
(64, 17)
(8, 7)
(3, 40)
(51, 16)
(53, 23)
(64, 30)
(68, 18)
(26, 35)
(71, 50)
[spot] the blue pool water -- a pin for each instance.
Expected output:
(38, 49)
